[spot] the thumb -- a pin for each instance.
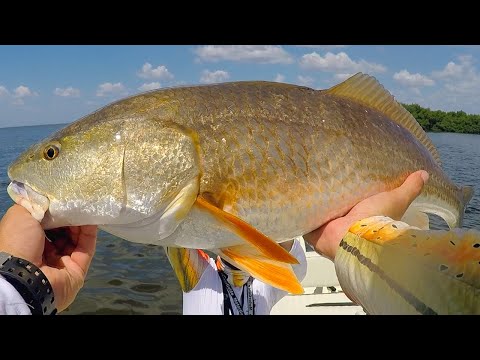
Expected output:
(410, 189)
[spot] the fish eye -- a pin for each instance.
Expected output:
(50, 152)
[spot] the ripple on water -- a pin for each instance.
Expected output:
(148, 288)
(131, 302)
(115, 282)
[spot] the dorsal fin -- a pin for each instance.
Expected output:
(366, 90)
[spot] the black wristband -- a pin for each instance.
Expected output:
(30, 282)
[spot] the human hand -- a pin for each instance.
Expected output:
(394, 203)
(64, 262)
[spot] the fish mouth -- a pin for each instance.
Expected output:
(36, 203)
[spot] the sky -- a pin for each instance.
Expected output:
(53, 84)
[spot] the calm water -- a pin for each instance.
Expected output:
(128, 278)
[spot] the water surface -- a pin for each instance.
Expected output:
(128, 278)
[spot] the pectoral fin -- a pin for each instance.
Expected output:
(269, 248)
(250, 259)
(188, 265)
(178, 208)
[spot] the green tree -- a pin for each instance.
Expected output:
(441, 121)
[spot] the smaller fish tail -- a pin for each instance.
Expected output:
(390, 267)
(467, 193)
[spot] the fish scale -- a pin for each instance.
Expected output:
(236, 166)
(385, 137)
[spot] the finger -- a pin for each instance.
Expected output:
(57, 234)
(51, 254)
(21, 234)
(414, 183)
(89, 230)
(17, 214)
(406, 193)
(401, 197)
(85, 249)
(18, 211)
(74, 231)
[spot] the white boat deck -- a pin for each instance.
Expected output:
(323, 294)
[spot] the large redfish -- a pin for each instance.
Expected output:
(234, 168)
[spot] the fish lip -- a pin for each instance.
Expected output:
(28, 197)
(18, 185)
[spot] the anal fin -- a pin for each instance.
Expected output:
(248, 258)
